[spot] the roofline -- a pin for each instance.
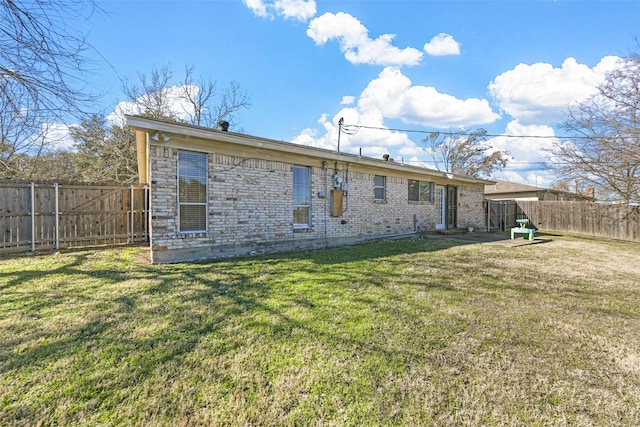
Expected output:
(526, 188)
(160, 125)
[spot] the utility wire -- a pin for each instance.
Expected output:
(353, 129)
(512, 163)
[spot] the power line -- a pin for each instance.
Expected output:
(524, 162)
(353, 129)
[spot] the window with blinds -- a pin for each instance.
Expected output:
(192, 191)
(301, 197)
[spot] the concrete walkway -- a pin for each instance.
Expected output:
(501, 239)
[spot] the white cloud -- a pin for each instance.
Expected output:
(348, 100)
(527, 143)
(57, 136)
(258, 8)
(540, 93)
(357, 140)
(442, 45)
(392, 96)
(300, 10)
(296, 9)
(176, 105)
(528, 152)
(355, 43)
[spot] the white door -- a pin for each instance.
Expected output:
(441, 203)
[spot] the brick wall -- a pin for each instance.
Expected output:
(250, 207)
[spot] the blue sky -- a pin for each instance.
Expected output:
(511, 67)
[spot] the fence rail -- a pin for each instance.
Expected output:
(53, 216)
(620, 222)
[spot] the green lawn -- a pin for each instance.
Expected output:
(413, 332)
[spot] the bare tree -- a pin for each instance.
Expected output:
(151, 94)
(42, 55)
(465, 153)
(42, 79)
(24, 137)
(17, 127)
(195, 100)
(231, 102)
(605, 153)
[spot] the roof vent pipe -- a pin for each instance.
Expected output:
(224, 125)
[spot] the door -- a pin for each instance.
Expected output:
(452, 206)
(440, 201)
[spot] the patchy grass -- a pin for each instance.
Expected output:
(416, 332)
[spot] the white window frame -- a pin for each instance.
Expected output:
(205, 175)
(305, 188)
(377, 186)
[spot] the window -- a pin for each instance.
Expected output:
(192, 191)
(301, 197)
(380, 187)
(420, 191)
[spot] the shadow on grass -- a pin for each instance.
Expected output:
(153, 323)
(233, 293)
(369, 251)
(66, 269)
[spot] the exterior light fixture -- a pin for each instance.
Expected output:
(158, 136)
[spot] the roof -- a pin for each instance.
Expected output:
(510, 190)
(500, 187)
(140, 123)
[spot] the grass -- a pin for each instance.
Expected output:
(414, 332)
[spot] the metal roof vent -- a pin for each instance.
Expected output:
(224, 125)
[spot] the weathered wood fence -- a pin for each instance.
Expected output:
(620, 222)
(53, 216)
(501, 214)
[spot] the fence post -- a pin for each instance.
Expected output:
(145, 215)
(131, 219)
(32, 193)
(56, 198)
(488, 215)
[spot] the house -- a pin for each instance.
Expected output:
(504, 190)
(215, 193)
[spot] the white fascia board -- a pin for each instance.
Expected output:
(187, 130)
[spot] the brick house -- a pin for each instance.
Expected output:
(219, 194)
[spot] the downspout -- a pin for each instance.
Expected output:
(408, 233)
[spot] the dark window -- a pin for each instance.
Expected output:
(420, 191)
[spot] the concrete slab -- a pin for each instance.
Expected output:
(502, 239)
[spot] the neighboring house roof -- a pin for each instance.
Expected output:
(505, 190)
(505, 187)
(167, 127)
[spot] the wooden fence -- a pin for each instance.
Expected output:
(620, 222)
(53, 216)
(501, 215)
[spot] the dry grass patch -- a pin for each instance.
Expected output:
(416, 332)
